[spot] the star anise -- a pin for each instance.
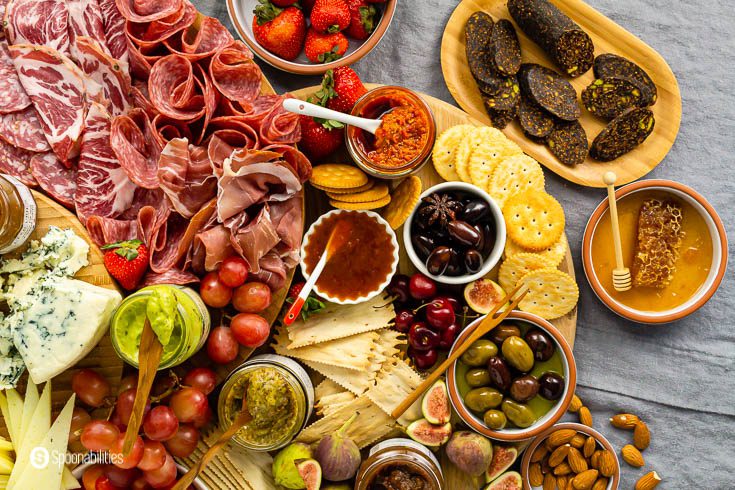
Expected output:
(439, 207)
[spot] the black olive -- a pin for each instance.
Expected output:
(464, 233)
(488, 234)
(551, 386)
(438, 260)
(473, 260)
(540, 343)
(475, 211)
(423, 244)
(455, 264)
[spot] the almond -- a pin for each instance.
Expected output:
(561, 436)
(585, 416)
(549, 482)
(578, 441)
(624, 420)
(562, 469)
(606, 463)
(595, 459)
(632, 456)
(534, 475)
(562, 482)
(585, 480)
(641, 436)
(539, 453)
(649, 481)
(575, 405)
(577, 462)
(589, 447)
(600, 484)
(559, 455)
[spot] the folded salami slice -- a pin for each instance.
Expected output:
(13, 97)
(55, 178)
(23, 129)
(252, 112)
(224, 141)
(235, 74)
(296, 159)
(280, 126)
(166, 129)
(136, 148)
(201, 39)
(186, 176)
(114, 27)
(153, 33)
(85, 19)
(17, 163)
(41, 22)
(171, 276)
(103, 230)
(174, 90)
(111, 75)
(139, 11)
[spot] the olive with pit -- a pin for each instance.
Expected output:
(551, 386)
(495, 419)
(482, 399)
(423, 245)
(518, 354)
(438, 260)
(503, 331)
(479, 352)
(477, 378)
(540, 343)
(488, 233)
(499, 373)
(472, 260)
(455, 264)
(524, 388)
(519, 414)
(464, 233)
(475, 211)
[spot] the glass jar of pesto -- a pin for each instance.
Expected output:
(190, 330)
(280, 397)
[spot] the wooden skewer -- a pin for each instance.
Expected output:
(621, 274)
(490, 321)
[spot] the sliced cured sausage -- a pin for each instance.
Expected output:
(17, 163)
(166, 129)
(235, 74)
(225, 141)
(136, 148)
(153, 33)
(174, 90)
(55, 178)
(147, 11)
(103, 230)
(186, 176)
(114, 26)
(40, 22)
(111, 75)
(12, 96)
(201, 39)
(298, 161)
(85, 20)
(171, 276)
(280, 126)
(23, 129)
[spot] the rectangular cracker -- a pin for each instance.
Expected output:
(393, 383)
(355, 381)
(356, 352)
(327, 387)
(330, 403)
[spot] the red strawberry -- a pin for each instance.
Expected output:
(362, 19)
(323, 48)
(126, 261)
(295, 289)
(330, 16)
(340, 90)
(280, 31)
(320, 138)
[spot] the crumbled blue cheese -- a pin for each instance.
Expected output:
(62, 251)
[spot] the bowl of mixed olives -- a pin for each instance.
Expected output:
(456, 233)
(514, 382)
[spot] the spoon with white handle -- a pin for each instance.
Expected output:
(308, 109)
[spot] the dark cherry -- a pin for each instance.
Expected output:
(540, 343)
(399, 287)
(551, 386)
(438, 261)
(421, 287)
(488, 233)
(502, 332)
(439, 313)
(524, 388)
(472, 260)
(423, 245)
(456, 303)
(426, 359)
(448, 336)
(464, 233)
(422, 338)
(499, 372)
(404, 320)
(475, 211)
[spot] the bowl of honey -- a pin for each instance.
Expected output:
(674, 243)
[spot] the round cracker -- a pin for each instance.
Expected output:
(534, 220)
(445, 150)
(347, 190)
(513, 175)
(494, 148)
(404, 200)
(373, 194)
(359, 206)
(551, 293)
(471, 140)
(554, 254)
(338, 176)
(514, 268)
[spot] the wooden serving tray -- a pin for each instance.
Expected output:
(608, 37)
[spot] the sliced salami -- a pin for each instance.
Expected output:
(298, 161)
(174, 90)
(235, 74)
(17, 163)
(186, 176)
(114, 25)
(85, 20)
(136, 148)
(139, 11)
(103, 230)
(225, 141)
(202, 39)
(13, 97)
(280, 126)
(55, 178)
(154, 33)
(111, 75)
(142, 58)
(56, 87)
(23, 129)
(250, 112)
(171, 276)
(166, 129)
(40, 22)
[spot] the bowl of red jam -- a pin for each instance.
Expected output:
(404, 141)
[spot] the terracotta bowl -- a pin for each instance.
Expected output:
(557, 411)
(538, 440)
(719, 253)
(241, 16)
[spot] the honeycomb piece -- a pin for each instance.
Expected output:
(659, 239)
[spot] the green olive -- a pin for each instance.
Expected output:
(519, 414)
(479, 352)
(495, 419)
(518, 354)
(482, 399)
(477, 377)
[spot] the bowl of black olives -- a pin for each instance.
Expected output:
(516, 381)
(456, 233)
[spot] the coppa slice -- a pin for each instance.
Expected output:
(549, 90)
(12, 96)
(623, 134)
(610, 97)
(39, 22)
(111, 75)
(568, 143)
(610, 65)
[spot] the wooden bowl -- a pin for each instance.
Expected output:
(241, 16)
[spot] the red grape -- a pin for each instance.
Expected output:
(203, 420)
(160, 424)
(124, 405)
(422, 287)
(121, 477)
(222, 346)
(130, 460)
(90, 476)
(214, 292)
(140, 484)
(79, 418)
(203, 379)
(163, 476)
(233, 272)
(188, 404)
(104, 483)
(128, 382)
(90, 387)
(250, 330)
(154, 455)
(184, 442)
(252, 297)
(99, 435)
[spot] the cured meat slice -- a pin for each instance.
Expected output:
(103, 187)
(225, 141)
(280, 126)
(12, 96)
(111, 75)
(272, 271)
(114, 26)
(171, 276)
(23, 129)
(250, 112)
(147, 11)
(17, 163)
(210, 248)
(255, 239)
(85, 20)
(103, 230)
(54, 178)
(178, 236)
(201, 39)
(174, 90)
(186, 176)
(154, 33)
(136, 148)
(287, 217)
(298, 161)
(57, 89)
(140, 97)
(235, 74)
(166, 129)
(40, 22)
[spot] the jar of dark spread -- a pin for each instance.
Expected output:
(400, 464)
(17, 213)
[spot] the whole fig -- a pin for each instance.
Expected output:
(470, 452)
(338, 455)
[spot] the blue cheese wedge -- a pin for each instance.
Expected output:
(62, 251)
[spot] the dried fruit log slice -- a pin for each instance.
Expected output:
(610, 65)
(506, 99)
(534, 119)
(500, 119)
(568, 143)
(610, 97)
(478, 34)
(550, 90)
(506, 48)
(623, 134)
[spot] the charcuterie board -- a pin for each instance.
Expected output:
(608, 37)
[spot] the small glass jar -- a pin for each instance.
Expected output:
(191, 326)
(17, 213)
(376, 104)
(400, 452)
(298, 382)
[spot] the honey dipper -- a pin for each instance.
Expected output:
(621, 274)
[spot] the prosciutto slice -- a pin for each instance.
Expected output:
(111, 75)
(54, 178)
(224, 141)
(178, 234)
(186, 176)
(136, 148)
(235, 74)
(280, 126)
(272, 271)
(104, 231)
(85, 20)
(40, 22)
(114, 27)
(147, 10)
(211, 247)
(23, 129)
(12, 96)
(255, 239)
(16, 162)
(57, 89)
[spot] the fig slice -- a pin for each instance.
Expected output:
(503, 458)
(310, 472)
(429, 434)
(510, 480)
(483, 294)
(435, 406)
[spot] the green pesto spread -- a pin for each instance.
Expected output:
(161, 311)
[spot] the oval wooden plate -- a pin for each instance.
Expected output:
(608, 37)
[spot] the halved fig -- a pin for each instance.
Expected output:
(482, 295)
(429, 434)
(503, 458)
(435, 406)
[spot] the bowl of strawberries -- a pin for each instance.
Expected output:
(308, 37)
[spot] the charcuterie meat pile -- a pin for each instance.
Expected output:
(147, 118)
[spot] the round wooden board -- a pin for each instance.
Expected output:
(608, 37)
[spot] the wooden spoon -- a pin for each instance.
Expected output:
(149, 357)
(491, 320)
(337, 238)
(621, 274)
(308, 109)
(241, 420)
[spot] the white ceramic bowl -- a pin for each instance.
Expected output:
(500, 236)
(382, 286)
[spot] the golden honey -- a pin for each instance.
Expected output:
(17, 213)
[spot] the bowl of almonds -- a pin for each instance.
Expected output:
(570, 456)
